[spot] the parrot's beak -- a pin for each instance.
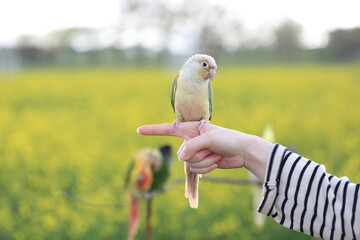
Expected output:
(211, 74)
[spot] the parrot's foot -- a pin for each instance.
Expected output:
(201, 123)
(147, 195)
(175, 124)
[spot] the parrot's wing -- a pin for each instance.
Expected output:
(210, 100)
(163, 174)
(173, 91)
(128, 173)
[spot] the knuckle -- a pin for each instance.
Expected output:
(212, 139)
(204, 153)
(214, 158)
(201, 155)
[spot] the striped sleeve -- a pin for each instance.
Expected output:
(300, 195)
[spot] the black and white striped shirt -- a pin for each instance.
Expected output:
(300, 195)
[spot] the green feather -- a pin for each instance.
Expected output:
(210, 92)
(160, 177)
(128, 173)
(173, 91)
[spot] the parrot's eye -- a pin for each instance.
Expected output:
(204, 64)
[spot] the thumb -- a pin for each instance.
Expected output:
(192, 146)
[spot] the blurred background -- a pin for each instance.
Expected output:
(78, 77)
(136, 32)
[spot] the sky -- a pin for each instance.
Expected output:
(38, 17)
(317, 17)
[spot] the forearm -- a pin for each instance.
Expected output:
(256, 155)
(300, 195)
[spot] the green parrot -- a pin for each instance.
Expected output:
(148, 171)
(192, 100)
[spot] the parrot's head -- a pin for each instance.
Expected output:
(202, 65)
(147, 161)
(142, 175)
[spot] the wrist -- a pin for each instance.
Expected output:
(256, 155)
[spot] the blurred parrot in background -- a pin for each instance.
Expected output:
(259, 218)
(148, 171)
(192, 100)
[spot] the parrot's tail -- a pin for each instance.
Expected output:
(134, 218)
(192, 187)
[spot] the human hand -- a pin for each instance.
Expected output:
(215, 147)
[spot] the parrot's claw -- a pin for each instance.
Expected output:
(175, 124)
(147, 195)
(201, 123)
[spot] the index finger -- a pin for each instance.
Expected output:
(186, 130)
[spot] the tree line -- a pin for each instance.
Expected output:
(152, 33)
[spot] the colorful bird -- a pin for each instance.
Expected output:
(192, 100)
(148, 171)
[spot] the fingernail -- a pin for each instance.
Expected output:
(182, 156)
(137, 129)
(216, 165)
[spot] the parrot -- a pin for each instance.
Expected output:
(148, 171)
(192, 100)
(259, 219)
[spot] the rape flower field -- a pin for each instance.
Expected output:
(76, 130)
